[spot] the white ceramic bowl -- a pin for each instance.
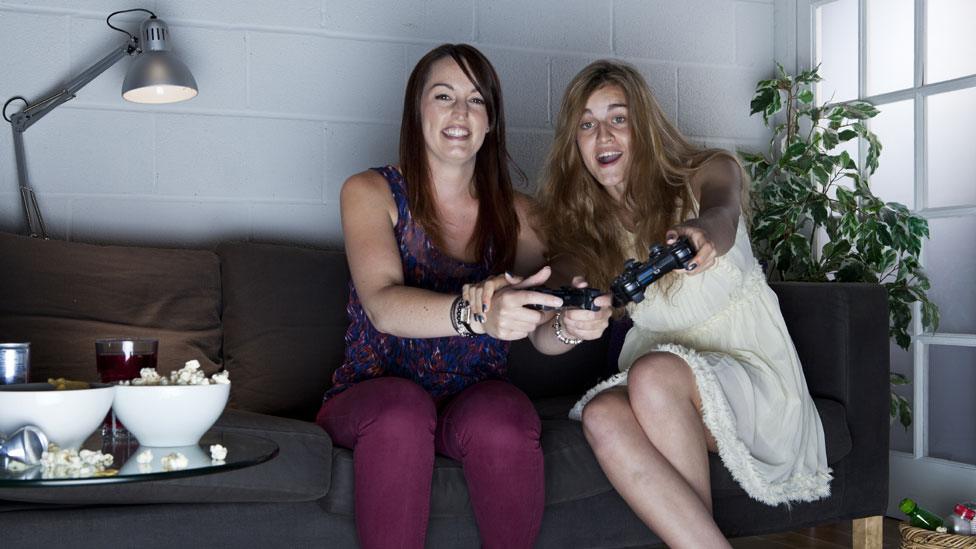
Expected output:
(67, 417)
(169, 415)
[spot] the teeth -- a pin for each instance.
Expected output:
(608, 157)
(456, 132)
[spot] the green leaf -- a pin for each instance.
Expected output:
(847, 135)
(762, 100)
(904, 413)
(830, 139)
(794, 150)
(898, 379)
(805, 96)
(846, 198)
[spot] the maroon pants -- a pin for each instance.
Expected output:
(394, 427)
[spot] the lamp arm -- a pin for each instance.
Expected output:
(20, 121)
(27, 117)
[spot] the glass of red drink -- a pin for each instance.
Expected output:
(121, 359)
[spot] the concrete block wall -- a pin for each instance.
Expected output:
(296, 96)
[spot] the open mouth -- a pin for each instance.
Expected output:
(607, 158)
(455, 132)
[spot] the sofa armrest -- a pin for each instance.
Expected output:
(840, 331)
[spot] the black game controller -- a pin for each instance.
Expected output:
(630, 285)
(578, 298)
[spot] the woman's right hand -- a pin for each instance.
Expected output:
(499, 304)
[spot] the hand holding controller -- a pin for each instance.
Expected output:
(580, 298)
(631, 283)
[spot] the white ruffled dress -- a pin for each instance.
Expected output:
(726, 324)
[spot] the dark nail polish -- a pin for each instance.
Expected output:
(691, 266)
(481, 319)
(484, 308)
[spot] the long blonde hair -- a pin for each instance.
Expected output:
(578, 216)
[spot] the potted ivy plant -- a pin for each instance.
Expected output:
(814, 216)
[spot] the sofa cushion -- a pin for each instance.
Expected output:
(573, 372)
(284, 319)
(572, 471)
(61, 296)
(300, 472)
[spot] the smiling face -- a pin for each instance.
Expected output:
(453, 115)
(603, 138)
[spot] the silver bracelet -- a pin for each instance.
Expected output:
(460, 314)
(557, 326)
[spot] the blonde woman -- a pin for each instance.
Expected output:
(708, 365)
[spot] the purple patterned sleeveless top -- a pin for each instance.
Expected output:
(444, 365)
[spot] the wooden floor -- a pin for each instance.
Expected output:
(828, 536)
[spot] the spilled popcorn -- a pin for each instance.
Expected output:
(58, 463)
(189, 374)
(218, 454)
(174, 462)
(145, 456)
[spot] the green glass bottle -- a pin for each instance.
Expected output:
(919, 518)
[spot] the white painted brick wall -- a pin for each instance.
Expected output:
(297, 96)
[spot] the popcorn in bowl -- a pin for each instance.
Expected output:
(189, 374)
(171, 410)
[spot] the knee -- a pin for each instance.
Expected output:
(401, 410)
(659, 379)
(603, 416)
(505, 422)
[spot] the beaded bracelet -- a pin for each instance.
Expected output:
(460, 309)
(557, 326)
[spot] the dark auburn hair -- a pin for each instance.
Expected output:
(496, 231)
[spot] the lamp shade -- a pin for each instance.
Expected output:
(156, 75)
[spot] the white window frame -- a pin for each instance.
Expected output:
(943, 475)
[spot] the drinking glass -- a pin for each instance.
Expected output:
(121, 359)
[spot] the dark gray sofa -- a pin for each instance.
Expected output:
(274, 317)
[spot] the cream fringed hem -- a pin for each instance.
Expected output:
(718, 417)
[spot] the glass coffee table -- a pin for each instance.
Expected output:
(242, 451)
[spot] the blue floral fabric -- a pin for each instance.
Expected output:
(444, 366)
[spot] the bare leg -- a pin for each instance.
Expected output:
(648, 482)
(664, 398)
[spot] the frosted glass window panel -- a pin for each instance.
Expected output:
(950, 40)
(901, 363)
(894, 180)
(952, 376)
(836, 34)
(950, 262)
(950, 144)
(890, 45)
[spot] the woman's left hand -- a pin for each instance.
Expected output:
(706, 253)
(584, 324)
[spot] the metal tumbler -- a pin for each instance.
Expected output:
(14, 363)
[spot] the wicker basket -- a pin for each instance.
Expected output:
(919, 538)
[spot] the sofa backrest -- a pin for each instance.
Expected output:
(272, 315)
(284, 320)
(61, 296)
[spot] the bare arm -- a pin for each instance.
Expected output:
(368, 217)
(718, 187)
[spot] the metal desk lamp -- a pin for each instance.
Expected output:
(156, 76)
